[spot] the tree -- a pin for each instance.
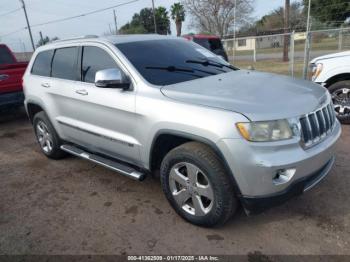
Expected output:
(143, 23)
(217, 16)
(178, 15)
(163, 21)
(46, 40)
(275, 19)
(331, 12)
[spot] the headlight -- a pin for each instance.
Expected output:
(265, 131)
(316, 70)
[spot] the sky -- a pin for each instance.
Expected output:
(40, 11)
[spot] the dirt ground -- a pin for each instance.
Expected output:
(75, 207)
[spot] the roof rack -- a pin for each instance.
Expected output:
(75, 38)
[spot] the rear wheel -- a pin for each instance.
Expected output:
(340, 92)
(197, 186)
(47, 137)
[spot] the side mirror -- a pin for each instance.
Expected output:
(112, 78)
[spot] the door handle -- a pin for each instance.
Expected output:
(3, 77)
(82, 92)
(46, 85)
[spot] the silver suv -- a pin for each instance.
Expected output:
(149, 104)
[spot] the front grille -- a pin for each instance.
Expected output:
(317, 125)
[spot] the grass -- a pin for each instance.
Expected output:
(272, 66)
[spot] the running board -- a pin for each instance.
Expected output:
(111, 164)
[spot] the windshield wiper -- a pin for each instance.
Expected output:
(179, 69)
(170, 69)
(211, 63)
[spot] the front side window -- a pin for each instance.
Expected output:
(64, 64)
(95, 59)
(171, 61)
(42, 63)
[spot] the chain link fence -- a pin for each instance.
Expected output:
(265, 52)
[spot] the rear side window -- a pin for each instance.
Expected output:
(64, 64)
(42, 63)
(5, 56)
(95, 59)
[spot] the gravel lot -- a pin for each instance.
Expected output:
(75, 207)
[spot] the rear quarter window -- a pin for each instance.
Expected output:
(42, 63)
(5, 56)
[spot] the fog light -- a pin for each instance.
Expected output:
(283, 176)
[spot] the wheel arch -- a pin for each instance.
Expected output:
(337, 78)
(32, 109)
(158, 150)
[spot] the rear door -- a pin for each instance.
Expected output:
(59, 87)
(99, 119)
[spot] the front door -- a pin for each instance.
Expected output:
(100, 119)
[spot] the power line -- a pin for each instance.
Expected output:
(10, 12)
(83, 14)
(67, 18)
(13, 32)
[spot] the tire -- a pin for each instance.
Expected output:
(49, 141)
(211, 180)
(341, 102)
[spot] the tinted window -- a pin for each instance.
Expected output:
(156, 60)
(5, 56)
(95, 59)
(42, 64)
(211, 44)
(64, 63)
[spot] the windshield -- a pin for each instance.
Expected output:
(172, 61)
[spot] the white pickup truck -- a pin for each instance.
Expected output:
(333, 72)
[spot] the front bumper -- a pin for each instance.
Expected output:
(255, 165)
(253, 205)
(11, 99)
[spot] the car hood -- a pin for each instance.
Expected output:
(341, 54)
(259, 96)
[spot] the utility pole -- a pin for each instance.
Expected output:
(28, 26)
(41, 37)
(307, 42)
(115, 22)
(154, 18)
(286, 31)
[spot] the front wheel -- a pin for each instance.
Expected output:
(340, 93)
(197, 186)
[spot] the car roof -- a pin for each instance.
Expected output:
(110, 39)
(202, 36)
(118, 39)
(113, 39)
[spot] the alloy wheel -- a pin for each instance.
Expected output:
(44, 137)
(341, 101)
(191, 189)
